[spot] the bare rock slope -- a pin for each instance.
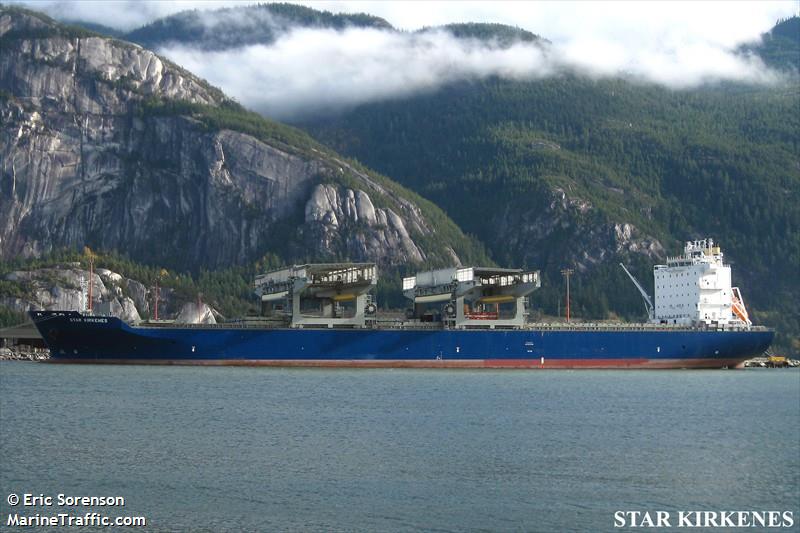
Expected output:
(84, 160)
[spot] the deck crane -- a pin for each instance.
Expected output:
(648, 304)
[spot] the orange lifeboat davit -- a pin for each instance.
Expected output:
(738, 307)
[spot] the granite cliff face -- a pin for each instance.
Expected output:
(538, 235)
(83, 162)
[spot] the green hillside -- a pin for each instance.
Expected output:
(720, 161)
(779, 47)
(500, 34)
(242, 25)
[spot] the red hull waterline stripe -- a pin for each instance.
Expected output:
(409, 363)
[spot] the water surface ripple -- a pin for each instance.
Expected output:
(259, 449)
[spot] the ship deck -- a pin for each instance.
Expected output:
(415, 325)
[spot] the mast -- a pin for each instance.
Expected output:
(90, 255)
(84, 288)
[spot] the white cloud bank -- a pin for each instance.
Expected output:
(725, 23)
(124, 15)
(309, 70)
(677, 44)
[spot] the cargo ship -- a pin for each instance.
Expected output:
(461, 317)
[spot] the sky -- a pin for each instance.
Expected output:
(725, 22)
(675, 44)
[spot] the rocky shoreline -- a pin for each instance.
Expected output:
(28, 353)
(24, 353)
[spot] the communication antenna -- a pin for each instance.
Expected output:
(648, 304)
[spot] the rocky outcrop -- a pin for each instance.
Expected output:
(539, 235)
(343, 219)
(24, 353)
(122, 307)
(194, 313)
(627, 238)
(66, 288)
(91, 75)
(84, 161)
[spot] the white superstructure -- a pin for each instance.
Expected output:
(696, 288)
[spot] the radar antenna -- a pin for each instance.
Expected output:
(648, 304)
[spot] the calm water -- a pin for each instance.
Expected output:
(215, 449)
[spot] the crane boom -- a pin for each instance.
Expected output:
(648, 304)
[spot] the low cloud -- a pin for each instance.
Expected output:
(679, 67)
(304, 71)
(123, 15)
(309, 71)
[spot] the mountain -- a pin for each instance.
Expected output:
(234, 27)
(104, 143)
(501, 34)
(570, 171)
(240, 26)
(566, 171)
(94, 27)
(573, 172)
(780, 47)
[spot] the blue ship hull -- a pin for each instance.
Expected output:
(72, 337)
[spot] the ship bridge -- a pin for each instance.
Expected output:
(472, 297)
(320, 294)
(696, 288)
